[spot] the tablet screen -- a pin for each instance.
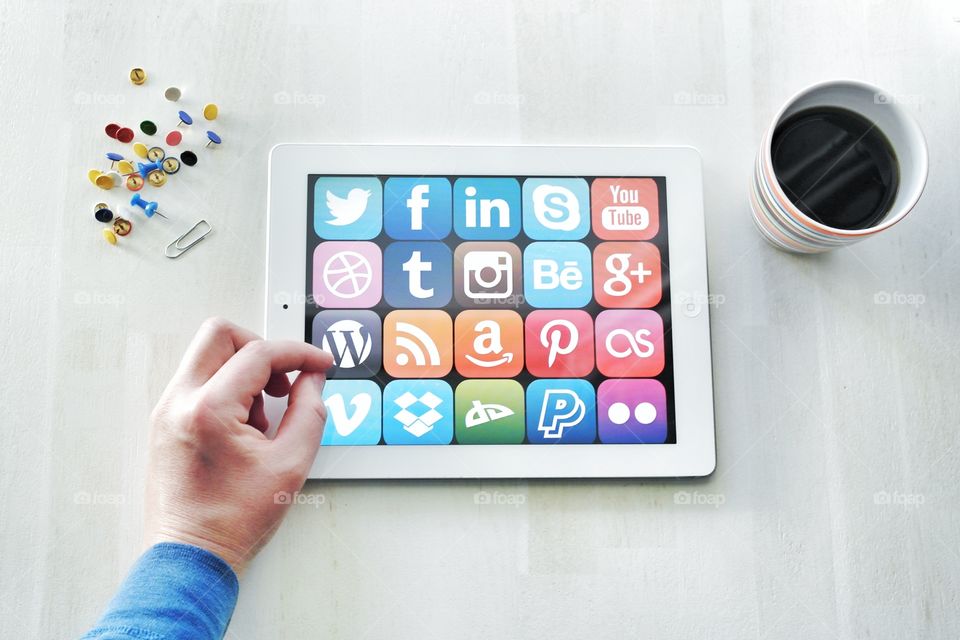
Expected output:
(468, 310)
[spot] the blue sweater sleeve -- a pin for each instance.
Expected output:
(174, 591)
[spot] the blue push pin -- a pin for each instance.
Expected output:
(184, 118)
(213, 137)
(144, 169)
(114, 158)
(149, 208)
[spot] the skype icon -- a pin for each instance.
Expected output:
(556, 208)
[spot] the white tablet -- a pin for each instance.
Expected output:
(497, 311)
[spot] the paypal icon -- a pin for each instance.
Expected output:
(347, 207)
(561, 411)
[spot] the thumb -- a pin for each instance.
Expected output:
(298, 435)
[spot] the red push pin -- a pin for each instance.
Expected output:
(174, 138)
(111, 130)
(125, 135)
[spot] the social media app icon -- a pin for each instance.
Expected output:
(486, 208)
(629, 343)
(556, 208)
(559, 344)
(626, 275)
(418, 274)
(561, 411)
(487, 274)
(489, 412)
(417, 208)
(347, 208)
(632, 412)
(557, 274)
(418, 344)
(625, 208)
(353, 412)
(347, 275)
(353, 337)
(417, 412)
(488, 344)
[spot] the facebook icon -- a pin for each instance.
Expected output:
(418, 275)
(417, 208)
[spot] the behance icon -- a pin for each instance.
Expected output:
(556, 208)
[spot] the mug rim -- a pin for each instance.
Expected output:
(788, 205)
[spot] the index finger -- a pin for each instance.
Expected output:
(248, 372)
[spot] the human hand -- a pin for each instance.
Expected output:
(212, 473)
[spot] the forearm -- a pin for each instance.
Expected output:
(174, 591)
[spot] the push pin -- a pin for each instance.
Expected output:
(114, 158)
(93, 174)
(102, 213)
(125, 167)
(170, 165)
(213, 138)
(174, 138)
(146, 169)
(211, 111)
(156, 154)
(138, 76)
(149, 208)
(110, 236)
(125, 135)
(116, 177)
(184, 118)
(104, 181)
(172, 94)
(122, 226)
(134, 182)
(148, 127)
(157, 178)
(111, 130)
(188, 158)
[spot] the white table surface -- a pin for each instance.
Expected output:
(828, 404)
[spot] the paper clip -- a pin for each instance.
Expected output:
(179, 248)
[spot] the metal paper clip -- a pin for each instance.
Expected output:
(178, 246)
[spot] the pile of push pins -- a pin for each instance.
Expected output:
(134, 174)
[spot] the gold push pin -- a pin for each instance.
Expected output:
(138, 76)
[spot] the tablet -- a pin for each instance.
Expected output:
(497, 311)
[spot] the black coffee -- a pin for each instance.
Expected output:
(836, 166)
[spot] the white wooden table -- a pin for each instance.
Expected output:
(833, 512)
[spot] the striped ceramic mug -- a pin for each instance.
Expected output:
(782, 223)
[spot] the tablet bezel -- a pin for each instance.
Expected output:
(694, 452)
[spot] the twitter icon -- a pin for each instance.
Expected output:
(347, 207)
